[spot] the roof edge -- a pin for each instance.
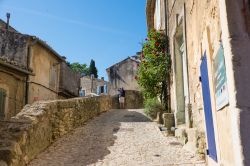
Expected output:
(44, 44)
(123, 62)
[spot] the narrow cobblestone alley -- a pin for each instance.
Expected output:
(116, 138)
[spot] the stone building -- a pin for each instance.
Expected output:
(31, 71)
(45, 63)
(69, 82)
(123, 74)
(14, 72)
(91, 86)
(209, 45)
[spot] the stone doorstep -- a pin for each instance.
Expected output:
(192, 138)
(180, 134)
(188, 137)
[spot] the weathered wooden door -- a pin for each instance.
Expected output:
(207, 109)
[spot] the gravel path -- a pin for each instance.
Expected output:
(117, 138)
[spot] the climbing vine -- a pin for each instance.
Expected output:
(155, 66)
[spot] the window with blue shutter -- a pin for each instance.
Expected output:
(98, 90)
(105, 89)
(2, 103)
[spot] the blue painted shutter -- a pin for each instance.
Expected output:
(208, 109)
(105, 89)
(98, 90)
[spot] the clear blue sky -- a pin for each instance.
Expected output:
(104, 30)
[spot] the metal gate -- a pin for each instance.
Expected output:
(207, 109)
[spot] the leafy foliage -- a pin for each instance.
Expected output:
(152, 106)
(93, 69)
(154, 68)
(81, 68)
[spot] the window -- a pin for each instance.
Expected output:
(82, 93)
(2, 103)
(102, 89)
(53, 77)
(105, 89)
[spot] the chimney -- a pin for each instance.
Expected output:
(8, 21)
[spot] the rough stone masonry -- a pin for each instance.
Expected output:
(38, 125)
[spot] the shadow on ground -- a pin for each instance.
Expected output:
(90, 143)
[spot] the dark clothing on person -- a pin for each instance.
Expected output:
(122, 93)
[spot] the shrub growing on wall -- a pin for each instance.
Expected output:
(152, 106)
(154, 68)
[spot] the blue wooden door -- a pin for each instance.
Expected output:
(207, 109)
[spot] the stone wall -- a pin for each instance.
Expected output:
(197, 23)
(123, 75)
(13, 83)
(13, 48)
(40, 124)
(133, 100)
(69, 83)
(44, 84)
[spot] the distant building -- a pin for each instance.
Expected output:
(123, 74)
(91, 86)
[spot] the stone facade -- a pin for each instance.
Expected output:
(90, 86)
(133, 100)
(69, 82)
(44, 84)
(12, 92)
(13, 72)
(37, 126)
(199, 29)
(30, 71)
(123, 74)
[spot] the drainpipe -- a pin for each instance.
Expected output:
(28, 66)
(167, 51)
(27, 78)
(189, 104)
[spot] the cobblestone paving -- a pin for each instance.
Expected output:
(117, 138)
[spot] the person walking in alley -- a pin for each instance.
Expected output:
(122, 98)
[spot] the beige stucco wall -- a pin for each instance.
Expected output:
(207, 24)
(124, 77)
(41, 62)
(14, 84)
(236, 39)
(202, 34)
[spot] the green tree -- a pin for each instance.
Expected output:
(155, 67)
(81, 68)
(93, 69)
